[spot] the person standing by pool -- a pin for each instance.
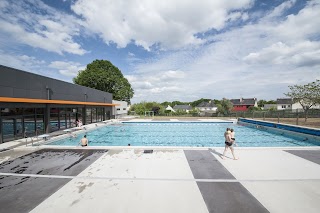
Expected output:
(233, 137)
(228, 144)
(84, 141)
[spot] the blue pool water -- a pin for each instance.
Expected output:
(181, 134)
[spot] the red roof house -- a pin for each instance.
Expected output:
(243, 104)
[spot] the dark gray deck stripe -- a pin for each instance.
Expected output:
(205, 166)
(220, 197)
(229, 198)
(311, 155)
(22, 194)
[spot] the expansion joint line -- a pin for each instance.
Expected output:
(161, 179)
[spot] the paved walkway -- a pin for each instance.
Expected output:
(165, 180)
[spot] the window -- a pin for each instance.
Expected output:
(284, 106)
(118, 108)
(124, 108)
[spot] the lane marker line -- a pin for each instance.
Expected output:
(161, 179)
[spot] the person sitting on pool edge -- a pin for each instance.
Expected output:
(84, 141)
(228, 144)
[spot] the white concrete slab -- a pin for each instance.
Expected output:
(116, 195)
(289, 196)
(8, 145)
(135, 164)
(270, 164)
(125, 196)
(292, 183)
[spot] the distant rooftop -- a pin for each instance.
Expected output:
(284, 101)
(243, 101)
(206, 104)
(184, 107)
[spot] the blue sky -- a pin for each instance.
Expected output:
(171, 49)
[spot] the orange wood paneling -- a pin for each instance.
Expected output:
(44, 101)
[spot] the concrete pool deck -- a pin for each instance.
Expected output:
(166, 180)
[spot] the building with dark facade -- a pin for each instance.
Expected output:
(31, 104)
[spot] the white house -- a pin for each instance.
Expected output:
(120, 110)
(207, 107)
(288, 104)
(185, 108)
(169, 108)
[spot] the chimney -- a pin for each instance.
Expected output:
(241, 100)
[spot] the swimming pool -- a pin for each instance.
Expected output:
(181, 134)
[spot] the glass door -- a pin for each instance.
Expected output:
(12, 128)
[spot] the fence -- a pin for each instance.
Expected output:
(284, 116)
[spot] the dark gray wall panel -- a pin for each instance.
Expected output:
(34, 93)
(29, 85)
(20, 93)
(6, 91)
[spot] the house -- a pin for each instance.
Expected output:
(186, 108)
(169, 108)
(121, 109)
(207, 107)
(286, 103)
(289, 104)
(243, 104)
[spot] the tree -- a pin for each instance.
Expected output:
(142, 107)
(253, 108)
(271, 102)
(307, 95)
(261, 103)
(197, 102)
(104, 76)
(225, 106)
(166, 103)
(179, 103)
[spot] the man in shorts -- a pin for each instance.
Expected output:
(228, 144)
(84, 141)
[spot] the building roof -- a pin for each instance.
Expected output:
(169, 108)
(206, 104)
(284, 101)
(244, 101)
(185, 107)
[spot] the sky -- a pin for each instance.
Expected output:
(170, 49)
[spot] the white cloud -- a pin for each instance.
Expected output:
(256, 60)
(306, 53)
(279, 10)
(67, 68)
(303, 25)
(35, 24)
(22, 62)
(172, 24)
